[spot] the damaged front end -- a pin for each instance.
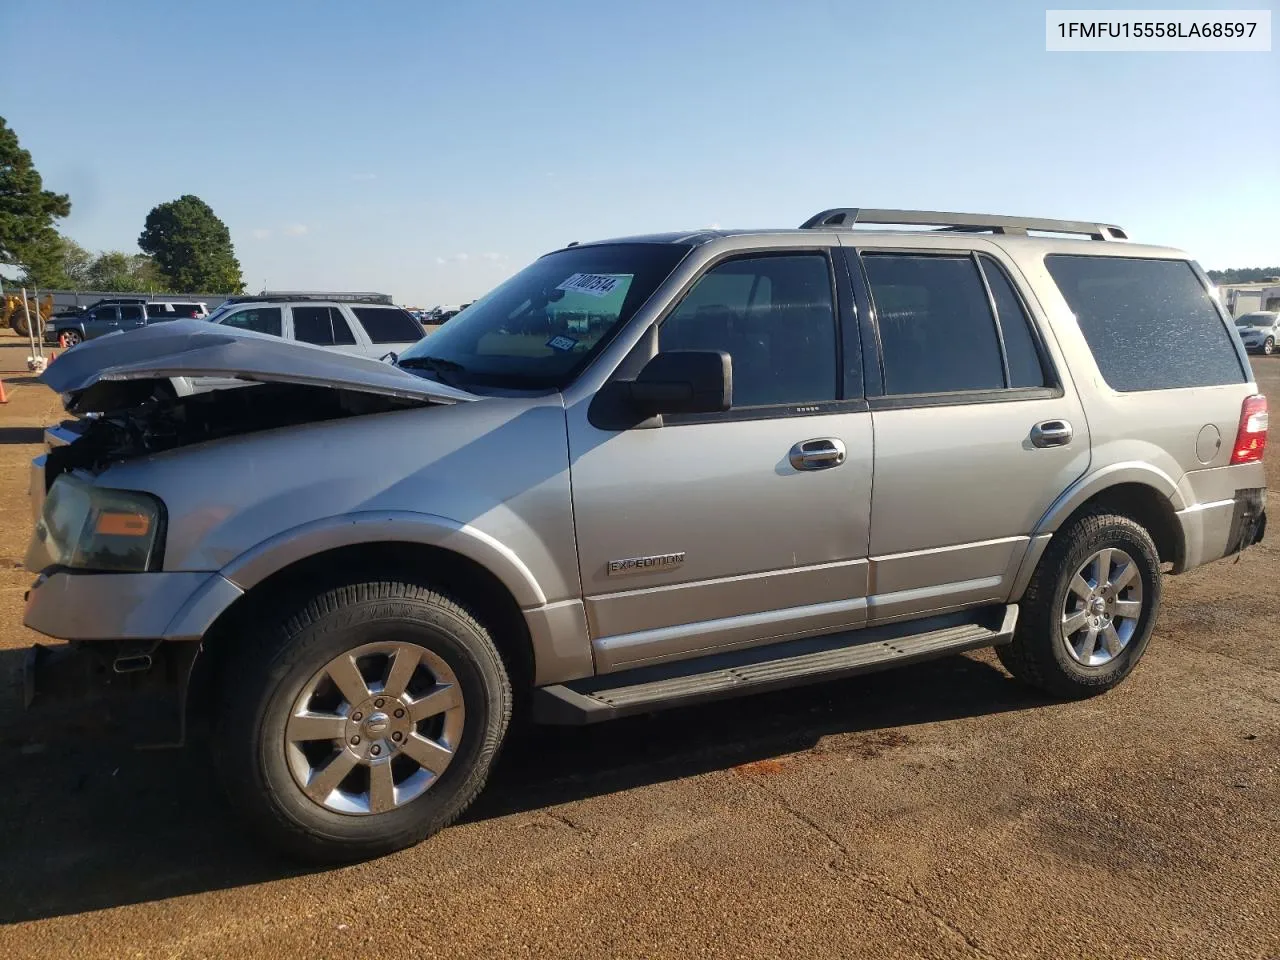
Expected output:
(99, 552)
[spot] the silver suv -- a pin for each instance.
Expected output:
(639, 474)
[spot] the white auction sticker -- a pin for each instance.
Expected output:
(1185, 31)
(592, 284)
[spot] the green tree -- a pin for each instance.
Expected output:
(1243, 274)
(27, 212)
(117, 272)
(192, 247)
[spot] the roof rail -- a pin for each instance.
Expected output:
(961, 222)
(340, 297)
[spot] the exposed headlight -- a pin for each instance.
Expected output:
(96, 528)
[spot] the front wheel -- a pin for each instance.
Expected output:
(363, 722)
(1089, 610)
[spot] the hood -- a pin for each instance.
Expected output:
(197, 348)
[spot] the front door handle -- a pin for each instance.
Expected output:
(817, 454)
(1051, 433)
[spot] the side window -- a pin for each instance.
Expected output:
(1025, 369)
(104, 314)
(258, 319)
(388, 325)
(341, 329)
(312, 325)
(937, 334)
(131, 313)
(158, 311)
(1150, 324)
(775, 316)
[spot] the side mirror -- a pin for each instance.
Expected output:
(684, 381)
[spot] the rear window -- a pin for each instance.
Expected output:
(1151, 324)
(158, 310)
(388, 325)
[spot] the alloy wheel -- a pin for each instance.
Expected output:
(1102, 607)
(374, 728)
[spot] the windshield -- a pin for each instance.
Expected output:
(1256, 320)
(541, 327)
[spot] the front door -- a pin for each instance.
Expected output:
(976, 433)
(101, 321)
(729, 530)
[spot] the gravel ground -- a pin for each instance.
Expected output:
(936, 811)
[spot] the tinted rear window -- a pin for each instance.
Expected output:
(1150, 323)
(388, 325)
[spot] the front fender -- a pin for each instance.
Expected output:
(289, 546)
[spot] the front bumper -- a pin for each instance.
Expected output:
(134, 639)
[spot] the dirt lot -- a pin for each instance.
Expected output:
(938, 811)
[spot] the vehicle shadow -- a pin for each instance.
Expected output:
(21, 434)
(86, 827)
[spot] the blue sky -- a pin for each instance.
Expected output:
(428, 149)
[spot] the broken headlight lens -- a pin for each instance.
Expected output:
(96, 528)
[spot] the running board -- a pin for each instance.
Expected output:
(773, 667)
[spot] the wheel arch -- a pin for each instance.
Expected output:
(1138, 491)
(229, 612)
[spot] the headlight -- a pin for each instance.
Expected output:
(96, 528)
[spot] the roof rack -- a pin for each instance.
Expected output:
(961, 222)
(339, 297)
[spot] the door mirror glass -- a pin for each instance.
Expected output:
(684, 381)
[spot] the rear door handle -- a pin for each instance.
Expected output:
(817, 454)
(1051, 433)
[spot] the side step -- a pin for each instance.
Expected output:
(773, 667)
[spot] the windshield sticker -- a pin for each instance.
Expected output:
(562, 343)
(592, 284)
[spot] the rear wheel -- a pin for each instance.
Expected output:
(70, 337)
(1270, 346)
(1089, 610)
(364, 722)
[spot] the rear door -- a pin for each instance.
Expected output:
(977, 432)
(324, 326)
(132, 316)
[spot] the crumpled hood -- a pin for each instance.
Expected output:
(197, 348)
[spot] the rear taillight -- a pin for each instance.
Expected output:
(1251, 438)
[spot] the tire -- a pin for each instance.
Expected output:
(1269, 347)
(1041, 653)
(72, 337)
(19, 324)
(263, 769)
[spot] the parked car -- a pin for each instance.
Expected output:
(1259, 332)
(349, 575)
(338, 323)
(114, 315)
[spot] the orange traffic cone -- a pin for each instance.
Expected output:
(3, 397)
(53, 355)
(62, 341)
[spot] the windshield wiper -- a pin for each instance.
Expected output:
(437, 365)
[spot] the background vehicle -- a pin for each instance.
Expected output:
(116, 314)
(673, 500)
(14, 314)
(1259, 332)
(347, 323)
